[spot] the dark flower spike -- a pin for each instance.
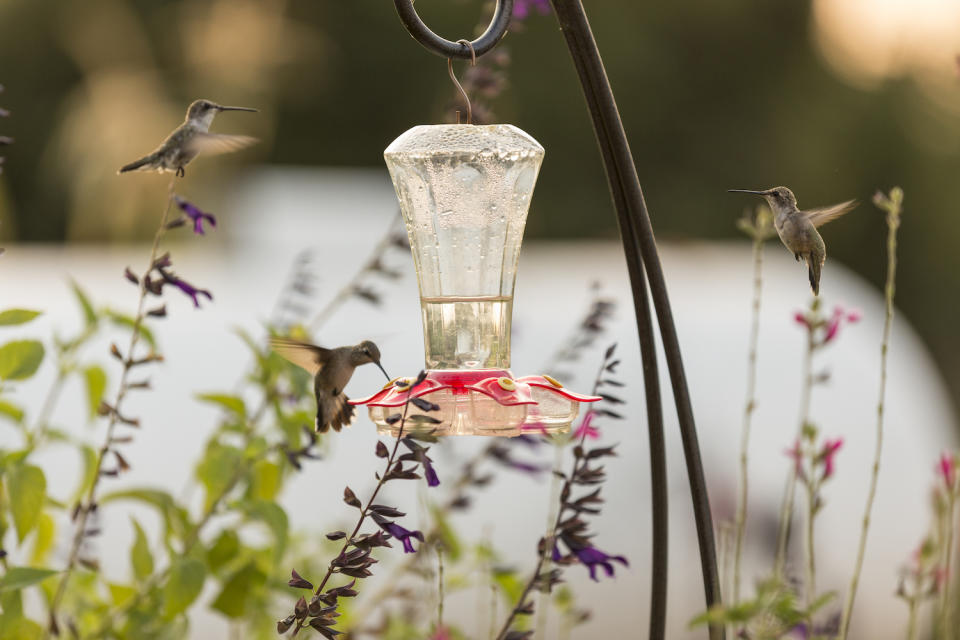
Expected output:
(194, 213)
(297, 582)
(593, 558)
(185, 286)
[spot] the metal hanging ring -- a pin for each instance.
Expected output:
(447, 49)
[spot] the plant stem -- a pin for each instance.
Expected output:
(786, 511)
(548, 540)
(912, 620)
(893, 207)
(366, 507)
(439, 586)
(946, 603)
(86, 507)
(749, 406)
(811, 556)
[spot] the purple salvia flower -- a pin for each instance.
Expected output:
(593, 558)
(402, 534)
(522, 8)
(194, 213)
(186, 287)
(430, 473)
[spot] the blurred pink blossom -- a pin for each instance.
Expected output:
(586, 428)
(830, 448)
(948, 469)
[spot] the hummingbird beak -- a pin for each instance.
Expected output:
(221, 108)
(380, 366)
(756, 193)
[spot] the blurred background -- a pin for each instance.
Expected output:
(833, 98)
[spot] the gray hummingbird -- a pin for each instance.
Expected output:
(189, 139)
(798, 229)
(331, 370)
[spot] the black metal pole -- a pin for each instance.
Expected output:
(622, 175)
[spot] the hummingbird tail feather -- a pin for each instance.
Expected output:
(813, 269)
(137, 164)
(336, 413)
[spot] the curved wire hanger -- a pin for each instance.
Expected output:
(460, 49)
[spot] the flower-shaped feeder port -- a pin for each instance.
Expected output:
(478, 402)
(464, 192)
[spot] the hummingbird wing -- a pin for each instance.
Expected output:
(303, 354)
(822, 215)
(212, 143)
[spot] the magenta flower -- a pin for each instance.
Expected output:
(796, 454)
(800, 318)
(586, 428)
(948, 469)
(830, 448)
(522, 8)
(593, 558)
(194, 213)
(401, 534)
(442, 633)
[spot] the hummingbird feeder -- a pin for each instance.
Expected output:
(464, 193)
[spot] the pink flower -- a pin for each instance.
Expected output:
(854, 315)
(948, 469)
(800, 318)
(797, 455)
(442, 633)
(586, 428)
(830, 448)
(534, 427)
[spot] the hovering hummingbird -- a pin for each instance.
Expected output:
(189, 139)
(331, 370)
(798, 229)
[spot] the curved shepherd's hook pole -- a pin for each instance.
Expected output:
(634, 222)
(639, 245)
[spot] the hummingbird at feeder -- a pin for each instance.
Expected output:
(189, 139)
(798, 229)
(331, 370)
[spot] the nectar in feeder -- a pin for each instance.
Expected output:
(464, 192)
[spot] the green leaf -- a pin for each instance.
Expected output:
(89, 315)
(89, 472)
(19, 628)
(27, 488)
(125, 321)
(271, 514)
(20, 359)
(22, 577)
(12, 317)
(96, 380)
(240, 588)
(176, 519)
(140, 557)
(218, 470)
(231, 403)
(43, 541)
(448, 537)
(223, 550)
(11, 411)
(183, 586)
(121, 594)
(265, 481)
